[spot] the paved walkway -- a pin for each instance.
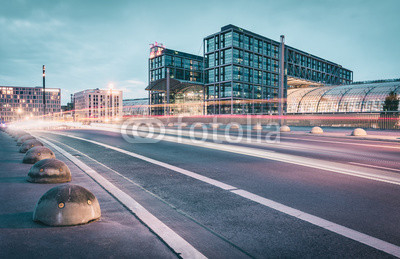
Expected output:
(373, 134)
(117, 234)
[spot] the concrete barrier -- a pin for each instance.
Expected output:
(214, 125)
(36, 154)
(316, 130)
(29, 144)
(284, 128)
(197, 125)
(359, 132)
(49, 171)
(24, 138)
(257, 127)
(67, 205)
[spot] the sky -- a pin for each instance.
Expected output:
(92, 44)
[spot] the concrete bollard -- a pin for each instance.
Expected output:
(24, 138)
(233, 125)
(316, 130)
(17, 134)
(214, 125)
(197, 125)
(284, 128)
(29, 144)
(49, 171)
(258, 126)
(359, 132)
(36, 154)
(67, 205)
(170, 124)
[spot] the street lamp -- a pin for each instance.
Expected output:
(111, 87)
(19, 111)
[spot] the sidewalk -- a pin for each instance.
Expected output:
(117, 234)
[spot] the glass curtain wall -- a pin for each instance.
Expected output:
(241, 73)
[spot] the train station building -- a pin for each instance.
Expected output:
(240, 73)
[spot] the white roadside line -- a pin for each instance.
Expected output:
(381, 176)
(346, 143)
(176, 242)
(184, 131)
(317, 221)
(375, 166)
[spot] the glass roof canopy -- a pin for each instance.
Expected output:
(365, 97)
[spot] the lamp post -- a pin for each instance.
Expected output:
(19, 111)
(281, 80)
(44, 92)
(111, 86)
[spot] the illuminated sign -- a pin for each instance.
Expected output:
(156, 49)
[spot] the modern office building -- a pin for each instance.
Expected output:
(19, 103)
(175, 82)
(135, 107)
(97, 105)
(242, 72)
(363, 97)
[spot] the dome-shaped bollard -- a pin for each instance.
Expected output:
(284, 128)
(316, 130)
(170, 124)
(24, 138)
(36, 154)
(67, 205)
(19, 133)
(359, 132)
(233, 125)
(197, 125)
(214, 125)
(29, 144)
(257, 127)
(49, 171)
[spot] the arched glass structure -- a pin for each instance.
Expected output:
(364, 97)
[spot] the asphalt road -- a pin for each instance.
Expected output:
(221, 224)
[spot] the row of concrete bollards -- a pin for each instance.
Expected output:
(258, 126)
(63, 205)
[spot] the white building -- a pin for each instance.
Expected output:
(20, 103)
(98, 105)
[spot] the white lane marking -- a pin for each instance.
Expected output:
(176, 242)
(385, 177)
(153, 161)
(341, 142)
(199, 134)
(375, 166)
(328, 225)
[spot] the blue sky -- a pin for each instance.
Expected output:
(90, 44)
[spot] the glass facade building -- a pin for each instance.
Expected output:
(241, 72)
(185, 84)
(358, 97)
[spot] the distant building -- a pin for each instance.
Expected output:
(135, 107)
(98, 105)
(185, 83)
(18, 103)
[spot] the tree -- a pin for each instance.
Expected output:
(391, 102)
(389, 118)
